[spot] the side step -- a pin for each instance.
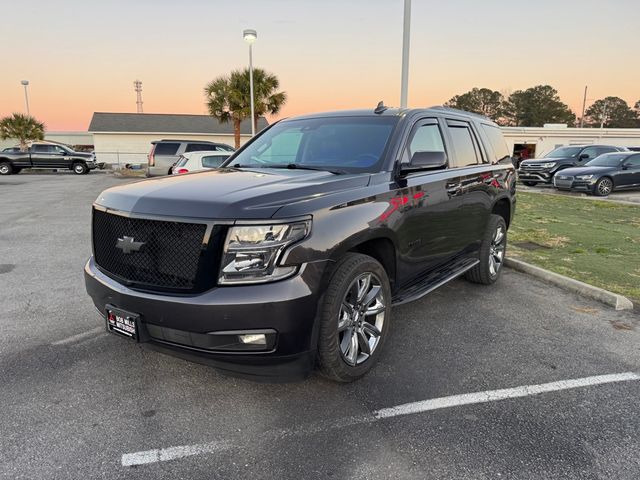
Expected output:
(433, 280)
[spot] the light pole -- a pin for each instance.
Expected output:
(25, 83)
(406, 37)
(250, 36)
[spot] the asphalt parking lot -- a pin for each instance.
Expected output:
(79, 403)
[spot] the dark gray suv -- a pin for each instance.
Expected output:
(164, 153)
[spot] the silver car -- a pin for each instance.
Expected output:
(165, 153)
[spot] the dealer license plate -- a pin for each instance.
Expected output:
(122, 322)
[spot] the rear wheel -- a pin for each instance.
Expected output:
(354, 318)
(492, 253)
(79, 168)
(529, 184)
(6, 168)
(603, 187)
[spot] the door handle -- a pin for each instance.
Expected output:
(454, 188)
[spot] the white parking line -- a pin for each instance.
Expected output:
(79, 336)
(172, 453)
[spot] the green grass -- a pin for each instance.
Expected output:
(593, 241)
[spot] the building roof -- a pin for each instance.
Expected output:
(166, 123)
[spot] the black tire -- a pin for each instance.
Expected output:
(333, 362)
(6, 168)
(79, 168)
(482, 273)
(529, 184)
(603, 187)
(17, 170)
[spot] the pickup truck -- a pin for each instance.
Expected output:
(46, 156)
(293, 252)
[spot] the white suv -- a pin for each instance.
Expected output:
(197, 161)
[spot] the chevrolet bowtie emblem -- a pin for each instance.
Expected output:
(129, 245)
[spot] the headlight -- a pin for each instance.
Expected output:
(548, 165)
(251, 252)
(584, 177)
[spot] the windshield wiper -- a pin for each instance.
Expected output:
(297, 166)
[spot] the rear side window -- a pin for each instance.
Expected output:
(166, 148)
(182, 161)
(225, 148)
(213, 161)
(601, 150)
(199, 147)
(464, 144)
(496, 140)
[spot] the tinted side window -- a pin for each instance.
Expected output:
(591, 152)
(464, 146)
(499, 146)
(633, 161)
(225, 148)
(43, 148)
(426, 138)
(213, 161)
(602, 150)
(199, 147)
(57, 149)
(166, 148)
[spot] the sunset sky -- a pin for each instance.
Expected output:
(83, 56)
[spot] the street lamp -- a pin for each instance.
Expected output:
(250, 36)
(25, 83)
(406, 37)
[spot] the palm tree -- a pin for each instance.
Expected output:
(23, 127)
(229, 98)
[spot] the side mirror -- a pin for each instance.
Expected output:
(425, 161)
(582, 156)
(625, 166)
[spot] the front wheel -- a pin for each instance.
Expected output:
(6, 168)
(80, 168)
(492, 253)
(354, 319)
(603, 187)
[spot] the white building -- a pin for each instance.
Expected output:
(539, 141)
(121, 138)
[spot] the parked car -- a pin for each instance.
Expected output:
(198, 161)
(634, 149)
(293, 252)
(602, 175)
(542, 170)
(46, 156)
(165, 153)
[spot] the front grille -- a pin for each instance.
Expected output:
(563, 181)
(531, 168)
(169, 258)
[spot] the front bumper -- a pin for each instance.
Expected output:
(177, 324)
(570, 183)
(542, 176)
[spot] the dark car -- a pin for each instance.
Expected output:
(292, 253)
(165, 153)
(42, 155)
(542, 170)
(602, 175)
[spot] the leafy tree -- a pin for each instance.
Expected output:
(536, 106)
(480, 100)
(23, 127)
(229, 97)
(611, 112)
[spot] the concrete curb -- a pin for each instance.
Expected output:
(604, 296)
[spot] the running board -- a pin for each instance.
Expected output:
(433, 280)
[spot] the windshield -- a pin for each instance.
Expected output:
(347, 144)
(563, 152)
(607, 160)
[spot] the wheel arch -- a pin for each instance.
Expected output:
(502, 207)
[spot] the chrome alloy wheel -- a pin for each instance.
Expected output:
(604, 187)
(5, 169)
(496, 250)
(361, 318)
(78, 168)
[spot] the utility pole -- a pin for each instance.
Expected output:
(138, 88)
(603, 115)
(406, 37)
(584, 104)
(25, 84)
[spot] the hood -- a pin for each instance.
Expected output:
(227, 193)
(88, 156)
(572, 172)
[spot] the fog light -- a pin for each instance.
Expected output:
(253, 339)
